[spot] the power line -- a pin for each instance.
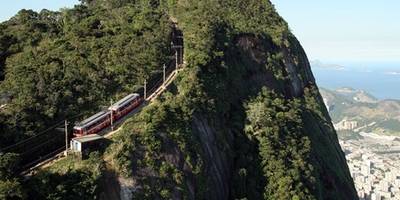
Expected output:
(39, 134)
(155, 83)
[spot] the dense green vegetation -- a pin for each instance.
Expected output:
(56, 65)
(159, 142)
(276, 124)
(59, 64)
(224, 50)
(10, 187)
(235, 124)
(69, 178)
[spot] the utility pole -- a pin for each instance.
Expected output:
(176, 58)
(164, 67)
(112, 117)
(66, 138)
(145, 89)
(181, 54)
(181, 57)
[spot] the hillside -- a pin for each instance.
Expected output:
(372, 115)
(243, 120)
(61, 64)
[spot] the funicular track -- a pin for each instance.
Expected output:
(50, 144)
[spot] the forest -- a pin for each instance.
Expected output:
(55, 65)
(237, 123)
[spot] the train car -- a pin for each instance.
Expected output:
(125, 105)
(101, 120)
(93, 124)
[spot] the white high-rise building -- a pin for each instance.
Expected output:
(386, 195)
(376, 196)
(397, 183)
(384, 186)
(366, 168)
(361, 195)
(391, 175)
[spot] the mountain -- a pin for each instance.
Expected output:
(346, 95)
(243, 119)
(357, 95)
(319, 64)
(371, 114)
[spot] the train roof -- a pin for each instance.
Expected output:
(123, 101)
(91, 120)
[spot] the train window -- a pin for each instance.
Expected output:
(97, 123)
(123, 107)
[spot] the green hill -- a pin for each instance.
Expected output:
(243, 120)
(372, 115)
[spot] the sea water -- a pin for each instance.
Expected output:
(381, 79)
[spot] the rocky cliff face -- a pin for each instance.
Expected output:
(332, 174)
(198, 142)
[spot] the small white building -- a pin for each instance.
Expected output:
(81, 144)
(376, 196)
(346, 125)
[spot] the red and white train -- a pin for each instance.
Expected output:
(102, 120)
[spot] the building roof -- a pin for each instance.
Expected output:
(88, 138)
(123, 101)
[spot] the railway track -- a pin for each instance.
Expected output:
(50, 144)
(107, 133)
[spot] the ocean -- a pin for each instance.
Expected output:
(382, 80)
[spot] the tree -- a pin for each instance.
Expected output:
(8, 165)
(283, 147)
(60, 64)
(10, 187)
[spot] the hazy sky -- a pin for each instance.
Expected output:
(345, 30)
(340, 30)
(10, 8)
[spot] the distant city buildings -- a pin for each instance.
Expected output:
(346, 125)
(376, 176)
